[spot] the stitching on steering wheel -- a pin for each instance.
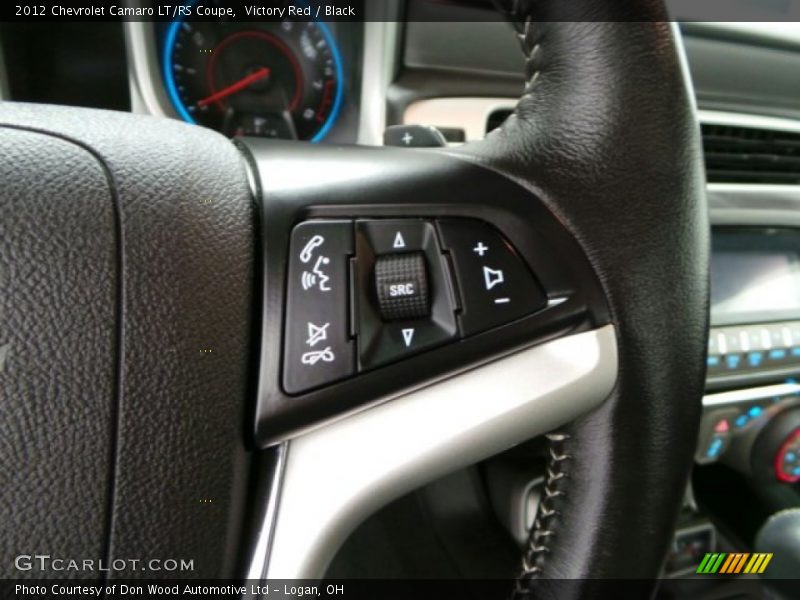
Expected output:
(517, 10)
(542, 531)
(555, 486)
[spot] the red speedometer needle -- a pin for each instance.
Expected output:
(236, 87)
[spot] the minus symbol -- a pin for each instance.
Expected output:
(502, 300)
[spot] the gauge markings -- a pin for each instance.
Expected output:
(235, 87)
(271, 79)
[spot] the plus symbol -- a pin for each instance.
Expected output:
(480, 249)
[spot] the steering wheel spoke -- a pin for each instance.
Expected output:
(338, 474)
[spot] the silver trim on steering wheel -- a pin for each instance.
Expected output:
(336, 476)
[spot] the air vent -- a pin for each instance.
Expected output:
(496, 118)
(747, 155)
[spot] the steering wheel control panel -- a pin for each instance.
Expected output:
(374, 290)
(365, 293)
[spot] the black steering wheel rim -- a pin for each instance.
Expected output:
(620, 163)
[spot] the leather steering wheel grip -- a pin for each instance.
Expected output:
(606, 135)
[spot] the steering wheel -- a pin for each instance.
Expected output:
(145, 325)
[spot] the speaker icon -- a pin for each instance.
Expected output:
(492, 277)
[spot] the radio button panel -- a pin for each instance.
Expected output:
(740, 349)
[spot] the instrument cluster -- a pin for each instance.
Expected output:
(288, 79)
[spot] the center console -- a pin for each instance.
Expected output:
(754, 345)
(748, 451)
(754, 349)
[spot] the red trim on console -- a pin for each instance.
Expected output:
(779, 472)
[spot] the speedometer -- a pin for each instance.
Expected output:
(270, 79)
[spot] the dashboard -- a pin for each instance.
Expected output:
(288, 79)
(280, 80)
(293, 79)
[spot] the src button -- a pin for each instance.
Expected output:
(401, 286)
